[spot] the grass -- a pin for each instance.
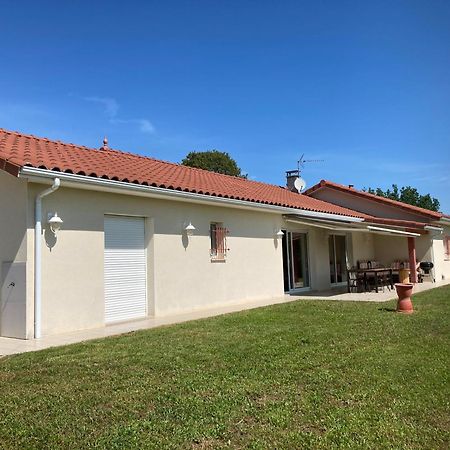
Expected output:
(309, 374)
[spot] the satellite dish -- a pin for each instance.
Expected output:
(299, 184)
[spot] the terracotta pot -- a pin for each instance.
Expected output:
(404, 292)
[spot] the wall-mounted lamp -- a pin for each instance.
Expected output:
(189, 229)
(55, 222)
(279, 234)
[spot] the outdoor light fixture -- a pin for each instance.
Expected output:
(189, 229)
(279, 234)
(55, 222)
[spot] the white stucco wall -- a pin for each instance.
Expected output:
(12, 218)
(180, 273)
(181, 276)
(441, 264)
(362, 247)
(13, 240)
(388, 249)
(392, 248)
(319, 259)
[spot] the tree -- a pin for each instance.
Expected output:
(407, 194)
(214, 161)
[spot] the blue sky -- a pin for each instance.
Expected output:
(364, 85)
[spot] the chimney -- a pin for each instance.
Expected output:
(291, 176)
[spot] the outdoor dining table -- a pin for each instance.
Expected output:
(376, 272)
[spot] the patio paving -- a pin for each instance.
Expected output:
(10, 346)
(341, 294)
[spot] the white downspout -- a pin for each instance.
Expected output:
(37, 256)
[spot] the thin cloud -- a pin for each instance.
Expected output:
(146, 126)
(435, 179)
(110, 105)
(111, 110)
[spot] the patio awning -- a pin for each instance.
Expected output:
(328, 224)
(391, 231)
(335, 225)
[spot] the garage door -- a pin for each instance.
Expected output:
(125, 269)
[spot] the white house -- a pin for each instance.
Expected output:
(141, 237)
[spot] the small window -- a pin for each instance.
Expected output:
(218, 242)
(447, 247)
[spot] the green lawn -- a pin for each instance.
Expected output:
(309, 374)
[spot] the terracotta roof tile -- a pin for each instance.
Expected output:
(377, 198)
(18, 150)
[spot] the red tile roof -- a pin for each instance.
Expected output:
(377, 198)
(18, 150)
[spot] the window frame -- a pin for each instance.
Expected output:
(218, 242)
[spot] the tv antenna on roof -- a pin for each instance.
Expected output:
(301, 162)
(294, 181)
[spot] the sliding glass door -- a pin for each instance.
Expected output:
(338, 258)
(295, 261)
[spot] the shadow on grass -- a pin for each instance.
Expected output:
(387, 309)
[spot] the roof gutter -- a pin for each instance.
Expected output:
(121, 187)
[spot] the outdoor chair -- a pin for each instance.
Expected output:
(355, 281)
(383, 280)
(378, 281)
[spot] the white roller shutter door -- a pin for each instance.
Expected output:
(125, 268)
